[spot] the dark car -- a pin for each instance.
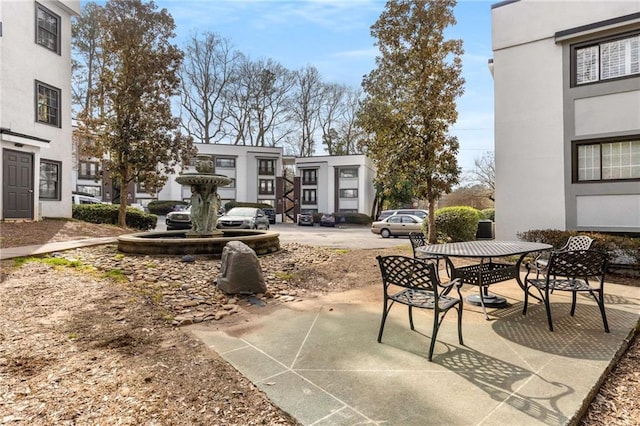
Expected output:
(305, 219)
(180, 219)
(244, 218)
(328, 220)
(271, 214)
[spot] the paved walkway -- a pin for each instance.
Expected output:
(319, 359)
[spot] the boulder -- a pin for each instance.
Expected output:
(240, 270)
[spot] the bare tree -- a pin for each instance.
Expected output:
(484, 173)
(306, 107)
(87, 61)
(207, 73)
(332, 109)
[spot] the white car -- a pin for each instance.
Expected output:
(244, 218)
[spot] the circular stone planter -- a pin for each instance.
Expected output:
(176, 242)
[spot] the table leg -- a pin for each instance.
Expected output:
(484, 298)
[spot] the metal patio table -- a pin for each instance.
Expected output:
(486, 272)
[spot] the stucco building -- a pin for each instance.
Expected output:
(35, 108)
(567, 115)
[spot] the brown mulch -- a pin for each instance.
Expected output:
(77, 351)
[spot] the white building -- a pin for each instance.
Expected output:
(325, 184)
(567, 115)
(35, 108)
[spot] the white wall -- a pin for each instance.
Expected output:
(22, 61)
(532, 156)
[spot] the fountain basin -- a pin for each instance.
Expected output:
(176, 242)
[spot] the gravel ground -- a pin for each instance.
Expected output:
(91, 336)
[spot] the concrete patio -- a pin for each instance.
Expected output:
(319, 360)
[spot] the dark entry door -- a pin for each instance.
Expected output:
(17, 185)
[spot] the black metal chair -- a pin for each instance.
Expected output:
(418, 240)
(570, 271)
(576, 242)
(413, 282)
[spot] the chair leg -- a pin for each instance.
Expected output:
(526, 299)
(547, 306)
(411, 318)
(573, 302)
(459, 309)
(600, 301)
(385, 311)
(436, 325)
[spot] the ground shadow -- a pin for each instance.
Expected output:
(501, 381)
(581, 336)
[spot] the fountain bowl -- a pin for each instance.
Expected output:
(177, 243)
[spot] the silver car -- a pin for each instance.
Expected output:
(397, 224)
(244, 218)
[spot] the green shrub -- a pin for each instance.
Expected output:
(164, 207)
(108, 213)
(621, 250)
(350, 218)
(488, 214)
(458, 223)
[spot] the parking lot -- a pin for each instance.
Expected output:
(350, 236)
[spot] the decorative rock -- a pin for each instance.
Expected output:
(188, 258)
(240, 270)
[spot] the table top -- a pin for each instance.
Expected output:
(483, 248)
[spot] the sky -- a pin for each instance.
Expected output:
(334, 36)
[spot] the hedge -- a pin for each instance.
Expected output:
(459, 223)
(164, 207)
(622, 250)
(108, 213)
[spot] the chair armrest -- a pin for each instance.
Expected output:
(455, 282)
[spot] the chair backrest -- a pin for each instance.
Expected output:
(407, 272)
(417, 240)
(578, 263)
(578, 242)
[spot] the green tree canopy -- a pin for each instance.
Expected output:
(409, 103)
(131, 121)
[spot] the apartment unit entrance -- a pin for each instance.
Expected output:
(17, 185)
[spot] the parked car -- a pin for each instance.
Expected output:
(328, 220)
(78, 198)
(180, 219)
(271, 214)
(397, 224)
(244, 218)
(305, 219)
(415, 212)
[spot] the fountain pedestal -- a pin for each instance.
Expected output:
(205, 201)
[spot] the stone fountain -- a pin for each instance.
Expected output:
(205, 201)
(203, 237)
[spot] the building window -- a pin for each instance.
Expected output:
(47, 104)
(88, 169)
(266, 186)
(310, 176)
(227, 163)
(309, 196)
(348, 173)
(348, 193)
(50, 180)
(94, 191)
(606, 59)
(266, 167)
(47, 29)
(602, 161)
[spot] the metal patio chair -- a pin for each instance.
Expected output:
(418, 240)
(414, 283)
(573, 271)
